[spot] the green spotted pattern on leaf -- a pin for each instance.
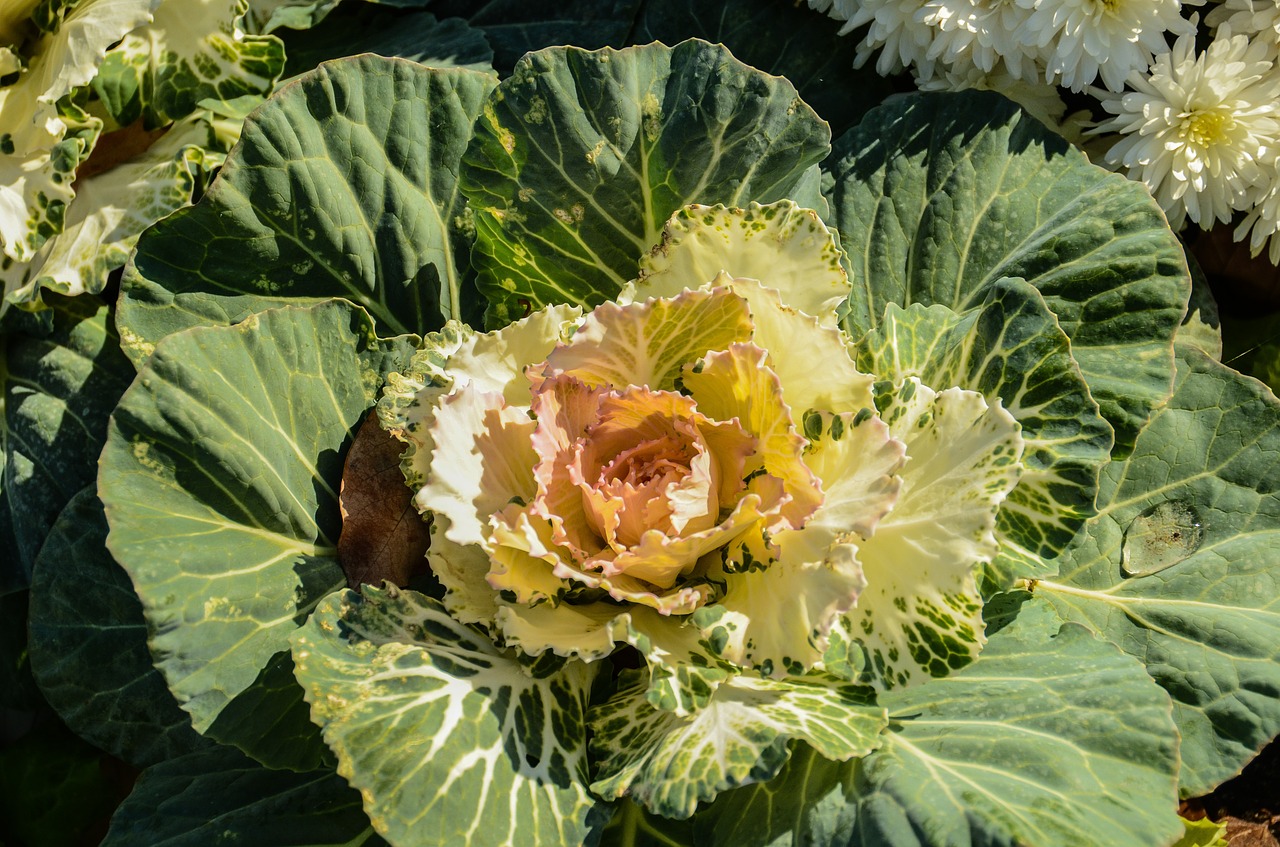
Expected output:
(580, 158)
(1010, 349)
(669, 763)
(1021, 747)
(449, 739)
(192, 50)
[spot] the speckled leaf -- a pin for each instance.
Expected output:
(40, 143)
(669, 763)
(920, 615)
(220, 479)
(938, 196)
(192, 50)
(1010, 348)
(1181, 567)
(356, 27)
(1053, 737)
(111, 210)
(450, 740)
(344, 184)
(58, 392)
(580, 158)
(89, 645)
(218, 796)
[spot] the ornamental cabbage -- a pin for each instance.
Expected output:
(670, 470)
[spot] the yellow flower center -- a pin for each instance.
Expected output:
(1205, 129)
(1108, 5)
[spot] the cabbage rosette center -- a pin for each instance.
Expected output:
(699, 470)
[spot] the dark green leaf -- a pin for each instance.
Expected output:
(89, 645)
(356, 27)
(344, 184)
(218, 796)
(580, 158)
(937, 196)
(58, 392)
(780, 37)
(515, 27)
(1181, 567)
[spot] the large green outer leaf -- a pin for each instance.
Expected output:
(1011, 349)
(937, 196)
(220, 478)
(343, 185)
(58, 392)
(450, 740)
(218, 796)
(192, 50)
(1052, 738)
(1207, 627)
(89, 645)
(580, 157)
(669, 763)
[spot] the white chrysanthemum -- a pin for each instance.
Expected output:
(1248, 17)
(935, 36)
(1078, 40)
(1262, 224)
(892, 29)
(1202, 131)
(978, 34)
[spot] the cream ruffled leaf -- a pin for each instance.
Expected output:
(782, 245)
(784, 610)
(920, 614)
(38, 150)
(493, 361)
(736, 383)
(482, 459)
(668, 762)
(646, 344)
(1011, 347)
(111, 210)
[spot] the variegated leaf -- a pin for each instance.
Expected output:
(450, 740)
(1010, 349)
(669, 763)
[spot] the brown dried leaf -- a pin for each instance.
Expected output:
(383, 536)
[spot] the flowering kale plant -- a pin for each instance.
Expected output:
(600, 454)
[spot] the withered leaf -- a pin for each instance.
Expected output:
(383, 536)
